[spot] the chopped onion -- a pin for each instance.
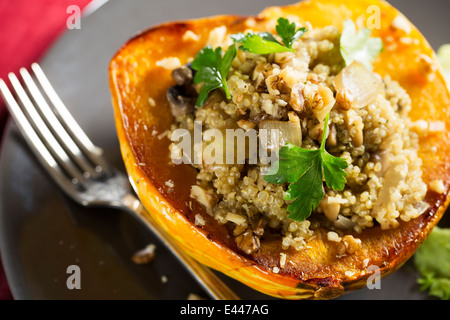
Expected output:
(363, 84)
(421, 207)
(285, 132)
(344, 223)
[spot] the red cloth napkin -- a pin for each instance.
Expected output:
(27, 29)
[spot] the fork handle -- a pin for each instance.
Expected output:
(205, 277)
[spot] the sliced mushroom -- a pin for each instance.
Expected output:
(180, 103)
(249, 240)
(145, 256)
(183, 75)
(182, 96)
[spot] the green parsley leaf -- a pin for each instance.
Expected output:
(307, 192)
(266, 43)
(432, 260)
(437, 287)
(359, 46)
(294, 161)
(288, 33)
(333, 167)
(256, 44)
(305, 170)
(212, 70)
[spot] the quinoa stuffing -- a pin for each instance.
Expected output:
(307, 90)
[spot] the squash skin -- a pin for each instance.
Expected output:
(316, 272)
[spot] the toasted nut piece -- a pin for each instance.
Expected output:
(400, 23)
(330, 208)
(216, 37)
(293, 117)
(332, 136)
(297, 100)
(245, 124)
(194, 296)
(437, 186)
(344, 99)
(205, 198)
(427, 67)
(319, 99)
(314, 78)
(333, 236)
(352, 245)
(248, 241)
(272, 84)
(325, 103)
(283, 57)
(145, 255)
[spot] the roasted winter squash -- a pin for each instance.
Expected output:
(315, 272)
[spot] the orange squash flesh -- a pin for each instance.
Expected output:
(315, 272)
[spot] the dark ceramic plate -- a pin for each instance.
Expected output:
(42, 232)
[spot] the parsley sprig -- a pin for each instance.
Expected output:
(359, 46)
(305, 170)
(266, 43)
(212, 66)
(212, 70)
(288, 32)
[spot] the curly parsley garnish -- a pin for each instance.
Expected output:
(266, 43)
(359, 46)
(305, 170)
(212, 70)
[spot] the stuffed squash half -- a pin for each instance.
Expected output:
(300, 151)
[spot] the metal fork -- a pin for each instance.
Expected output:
(78, 167)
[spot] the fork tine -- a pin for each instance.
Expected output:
(25, 126)
(33, 140)
(79, 136)
(113, 191)
(52, 144)
(55, 125)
